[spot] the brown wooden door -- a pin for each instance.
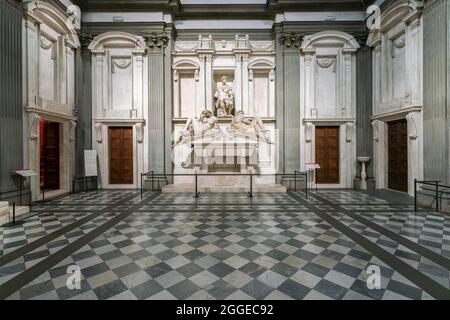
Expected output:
(120, 155)
(327, 154)
(398, 155)
(50, 155)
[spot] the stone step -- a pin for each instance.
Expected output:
(257, 188)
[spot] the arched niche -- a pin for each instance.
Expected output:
(118, 70)
(329, 62)
(117, 39)
(330, 38)
(45, 13)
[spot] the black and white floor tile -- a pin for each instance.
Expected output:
(224, 246)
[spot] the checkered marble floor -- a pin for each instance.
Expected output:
(218, 246)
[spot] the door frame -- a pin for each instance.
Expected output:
(414, 118)
(109, 154)
(100, 142)
(347, 148)
(338, 147)
(388, 156)
(60, 155)
(32, 160)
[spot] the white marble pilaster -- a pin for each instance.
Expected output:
(238, 82)
(176, 94)
(310, 62)
(209, 82)
(245, 86)
(202, 82)
(251, 88)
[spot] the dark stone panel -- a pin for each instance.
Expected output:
(11, 109)
(436, 95)
(83, 106)
(364, 132)
(168, 102)
(279, 95)
(291, 111)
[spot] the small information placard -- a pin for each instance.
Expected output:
(26, 173)
(312, 166)
(90, 163)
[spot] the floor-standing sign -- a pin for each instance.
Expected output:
(311, 168)
(23, 173)
(90, 166)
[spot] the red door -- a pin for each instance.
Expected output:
(50, 155)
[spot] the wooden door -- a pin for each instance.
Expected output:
(398, 155)
(50, 155)
(327, 154)
(120, 155)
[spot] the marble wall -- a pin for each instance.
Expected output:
(11, 153)
(49, 48)
(119, 76)
(249, 65)
(152, 71)
(328, 91)
(398, 84)
(436, 91)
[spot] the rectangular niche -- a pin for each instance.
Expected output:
(398, 67)
(121, 82)
(47, 67)
(326, 85)
(187, 93)
(261, 93)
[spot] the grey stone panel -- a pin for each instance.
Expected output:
(11, 108)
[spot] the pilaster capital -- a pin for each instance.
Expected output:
(85, 39)
(156, 42)
(292, 39)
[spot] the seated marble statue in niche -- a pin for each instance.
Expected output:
(205, 126)
(248, 127)
(224, 98)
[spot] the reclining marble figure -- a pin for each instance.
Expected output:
(248, 127)
(205, 126)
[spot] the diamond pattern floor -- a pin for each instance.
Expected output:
(221, 246)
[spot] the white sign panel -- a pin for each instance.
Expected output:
(312, 166)
(26, 173)
(90, 163)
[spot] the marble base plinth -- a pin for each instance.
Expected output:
(258, 188)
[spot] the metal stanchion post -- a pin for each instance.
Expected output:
(14, 222)
(196, 187)
(141, 185)
(306, 181)
(250, 194)
(295, 180)
(153, 181)
(415, 195)
(437, 196)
